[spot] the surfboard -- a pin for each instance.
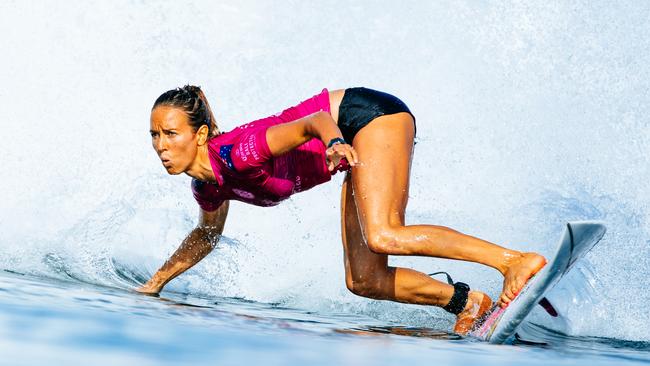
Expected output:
(500, 325)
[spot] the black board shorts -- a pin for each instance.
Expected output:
(360, 106)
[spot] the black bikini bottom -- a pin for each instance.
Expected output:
(361, 105)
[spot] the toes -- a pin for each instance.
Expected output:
(503, 301)
(516, 287)
(506, 296)
(514, 290)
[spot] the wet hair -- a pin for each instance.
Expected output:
(193, 102)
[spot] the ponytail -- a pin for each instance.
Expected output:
(193, 102)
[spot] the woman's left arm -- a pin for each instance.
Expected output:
(287, 136)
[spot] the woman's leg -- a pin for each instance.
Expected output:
(380, 185)
(368, 274)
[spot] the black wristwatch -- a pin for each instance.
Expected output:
(334, 141)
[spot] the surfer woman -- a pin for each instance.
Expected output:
(365, 132)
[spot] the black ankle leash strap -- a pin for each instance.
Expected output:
(459, 299)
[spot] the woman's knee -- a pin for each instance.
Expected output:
(361, 288)
(385, 240)
(374, 285)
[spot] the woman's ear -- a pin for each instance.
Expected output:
(203, 134)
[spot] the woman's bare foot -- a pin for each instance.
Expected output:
(477, 304)
(518, 270)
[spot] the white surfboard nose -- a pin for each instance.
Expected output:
(587, 228)
(589, 232)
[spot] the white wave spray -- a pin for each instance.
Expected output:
(529, 114)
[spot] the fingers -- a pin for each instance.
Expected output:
(349, 157)
(334, 154)
(147, 290)
(353, 159)
(331, 158)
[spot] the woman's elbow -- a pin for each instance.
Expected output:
(316, 124)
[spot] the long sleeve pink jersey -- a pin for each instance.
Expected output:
(246, 171)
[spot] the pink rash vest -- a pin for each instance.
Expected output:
(246, 171)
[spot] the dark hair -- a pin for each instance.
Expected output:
(193, 102)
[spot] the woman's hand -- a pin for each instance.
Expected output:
(336, 152)
(149, 288)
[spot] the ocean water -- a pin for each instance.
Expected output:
(530, 114)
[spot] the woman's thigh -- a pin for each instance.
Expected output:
(381, 180)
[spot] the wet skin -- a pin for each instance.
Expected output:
(179, 147)
(368, 236)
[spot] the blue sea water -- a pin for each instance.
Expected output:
(530, 114)
(48, 321)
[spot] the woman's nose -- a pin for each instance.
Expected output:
(160, 144)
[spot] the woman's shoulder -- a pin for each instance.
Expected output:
(207, 194)
(201, 187)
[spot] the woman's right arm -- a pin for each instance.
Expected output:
(287, 136)
(198, 243)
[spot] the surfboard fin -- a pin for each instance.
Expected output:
(548, 307)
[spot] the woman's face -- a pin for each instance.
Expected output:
(173, 138)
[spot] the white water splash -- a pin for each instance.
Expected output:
(529, 114)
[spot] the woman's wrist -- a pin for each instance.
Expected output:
(336, 140)
(158, 280)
